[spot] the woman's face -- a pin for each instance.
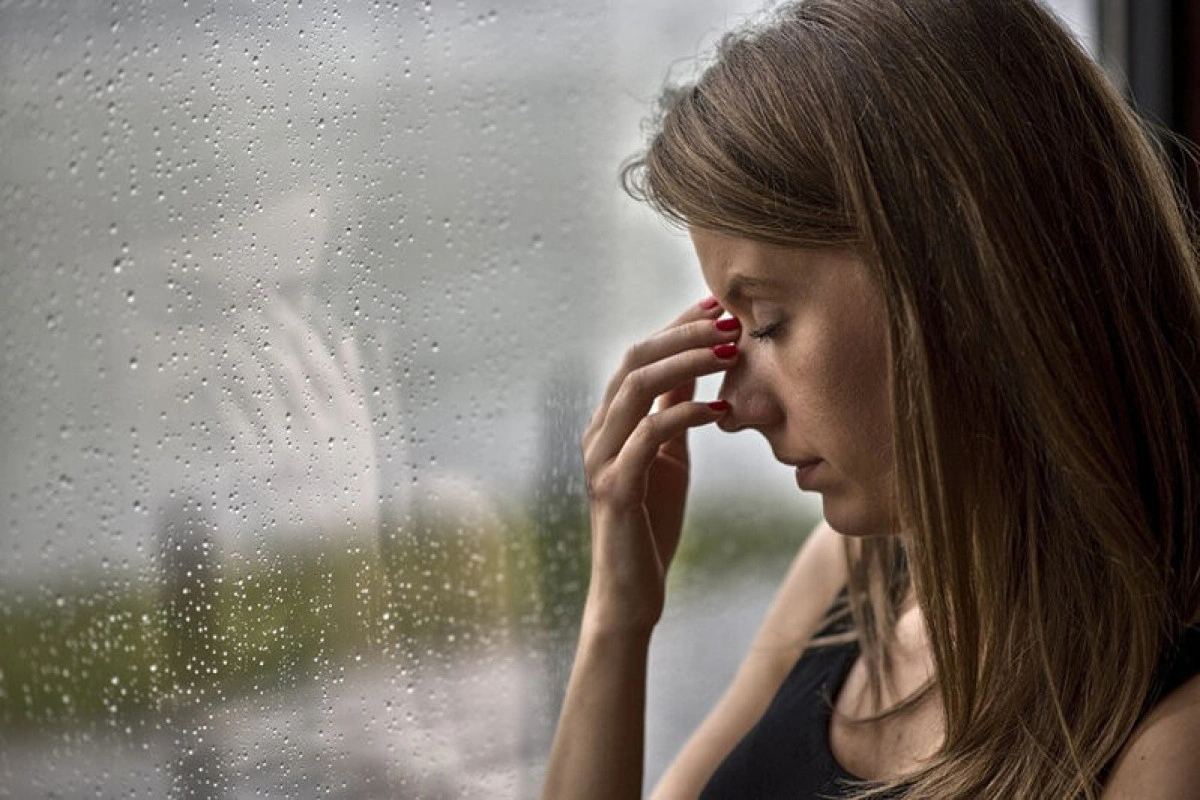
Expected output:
(812, 373)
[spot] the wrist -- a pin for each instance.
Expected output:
(609, 625)
(615, 650)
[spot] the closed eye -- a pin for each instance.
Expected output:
(766, 332)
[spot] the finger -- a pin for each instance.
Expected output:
(289, 367)
(680, 394)
(696, 327)
(682, 335)
(700, 327)
(244, 433)
(632, 464)
(248, 392)
(311, 358)
(351, 354)
(708, 308)
(640, 387)
(676, 449)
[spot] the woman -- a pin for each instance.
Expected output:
(964, 303)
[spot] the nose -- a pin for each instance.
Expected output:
(751, 402)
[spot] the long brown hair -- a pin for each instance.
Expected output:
(1043, 306)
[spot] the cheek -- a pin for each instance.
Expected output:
(846, 367)
(864, 377)
(855, 433)
(864, 387)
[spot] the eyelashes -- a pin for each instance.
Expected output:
(766, 332)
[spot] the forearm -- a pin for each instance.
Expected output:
(597, 751)
(636, 465)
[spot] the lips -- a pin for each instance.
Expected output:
(805, 471)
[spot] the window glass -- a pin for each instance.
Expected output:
(303, 307)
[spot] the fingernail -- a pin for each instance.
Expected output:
(719, 405)
(728, 324)
(725, 350)
(709, 304)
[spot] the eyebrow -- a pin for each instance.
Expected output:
(740, 285)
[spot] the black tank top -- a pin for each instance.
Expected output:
(787, 754)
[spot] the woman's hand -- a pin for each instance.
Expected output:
(637, 474)
(636, 463)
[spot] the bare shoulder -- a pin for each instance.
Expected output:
(829, 543)
(824, 554)
(816, 574)
(1160, 762)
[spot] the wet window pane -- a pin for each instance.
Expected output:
(303, 307)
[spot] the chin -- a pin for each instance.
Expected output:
(856, 519)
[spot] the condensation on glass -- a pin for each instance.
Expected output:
(303, 306)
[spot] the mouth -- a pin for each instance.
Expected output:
(805, 470)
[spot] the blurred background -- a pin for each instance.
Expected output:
(303, 307)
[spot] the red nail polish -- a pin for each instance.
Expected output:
(728, 324)
(725, 350)
(719, 405)
(709, 304)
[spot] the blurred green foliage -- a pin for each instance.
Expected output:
(724, 538)
(110, 651)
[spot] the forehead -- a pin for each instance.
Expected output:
(735, 268)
